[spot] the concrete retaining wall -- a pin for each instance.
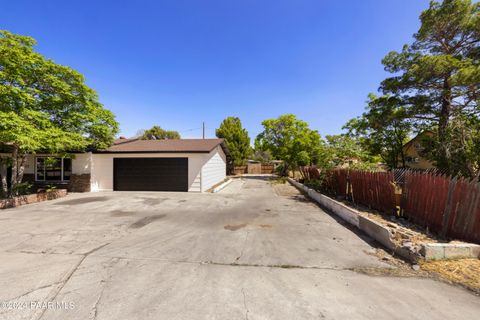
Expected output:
(439, 251)
(221, 185)
(346, 213)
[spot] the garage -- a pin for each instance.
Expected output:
(150, 174)
(193, 165)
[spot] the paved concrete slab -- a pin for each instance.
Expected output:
(251, 251)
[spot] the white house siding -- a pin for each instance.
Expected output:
(214, 170)
(102, 168)
(81, 163)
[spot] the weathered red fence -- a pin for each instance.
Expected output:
(338, 182)
(310, 172)
(373, 189)
(447, 206)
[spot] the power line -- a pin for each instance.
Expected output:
(189, 130)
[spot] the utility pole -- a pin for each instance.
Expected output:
(203, 129)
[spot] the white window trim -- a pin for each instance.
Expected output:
(44, 173)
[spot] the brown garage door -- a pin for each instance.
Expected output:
(150, 174)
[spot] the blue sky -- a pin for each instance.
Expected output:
(177, 63)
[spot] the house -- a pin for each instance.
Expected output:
(414, 151)
(194, 165)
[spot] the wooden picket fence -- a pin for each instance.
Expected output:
(374, 190)
(445, 205)
(261, 168)
(448, 206)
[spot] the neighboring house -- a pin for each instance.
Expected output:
(414, 151)
(347, 162)
(135, 165)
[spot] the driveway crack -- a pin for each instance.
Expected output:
(243, 247)
(245, 304)
(94, 311)
(34, 290)
(61, 284)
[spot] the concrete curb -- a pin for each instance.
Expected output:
(222, 185)
(440, 251)
(348, 214)
(429, 251)
(352, 216)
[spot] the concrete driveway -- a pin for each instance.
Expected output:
(255, 250)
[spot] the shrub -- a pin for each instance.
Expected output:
(50, 188)
(22, 189)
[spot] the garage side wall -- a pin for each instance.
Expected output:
(215, 169)
(102, 168)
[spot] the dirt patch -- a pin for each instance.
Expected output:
(144, 221)
(265, 226)
(285, 189)
(398, 267)
(234, 227)
(82, 200)
(465, 272)
(387, 272)
(121, 213)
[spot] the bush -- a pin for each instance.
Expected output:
(319, 180)
(315, 184)
(22, 189)
(281, 170)
(50, 188)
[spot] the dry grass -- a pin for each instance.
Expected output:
(463, 271)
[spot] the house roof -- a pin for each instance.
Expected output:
(165, 146)
(418, 136)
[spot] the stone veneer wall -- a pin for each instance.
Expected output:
(79, 183)
(32, 198)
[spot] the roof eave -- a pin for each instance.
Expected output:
(152, 151)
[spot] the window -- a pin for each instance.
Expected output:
(412, 159)
(52, 169)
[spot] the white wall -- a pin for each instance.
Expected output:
(102, 168)
(215, 169)
(81, 162)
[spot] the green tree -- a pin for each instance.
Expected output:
(236, 138)
(291, 140)
(383, 129)
(343, 150)
(262, 156)
(438, 76)
(44, 107)
(157, 133)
